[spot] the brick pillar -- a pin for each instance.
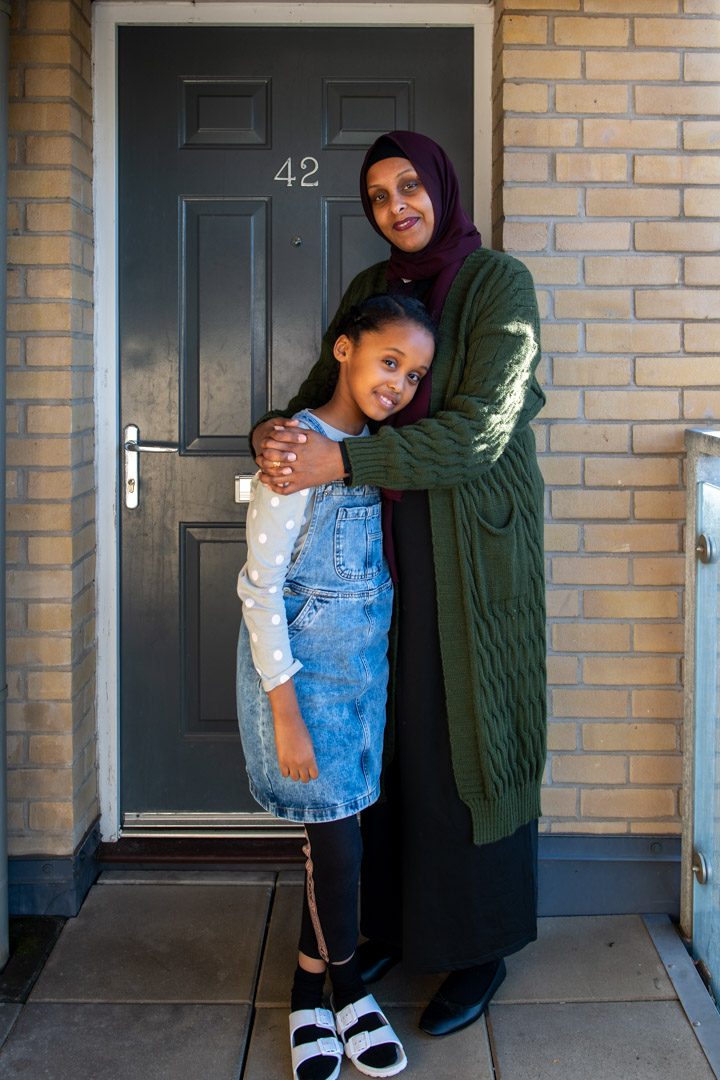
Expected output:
(606, 187)
(52, 785)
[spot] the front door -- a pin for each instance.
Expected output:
(239, 228)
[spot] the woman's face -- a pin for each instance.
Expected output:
(401, 204)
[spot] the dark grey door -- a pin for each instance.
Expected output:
(239, 228)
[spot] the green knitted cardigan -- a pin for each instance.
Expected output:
(475, 455)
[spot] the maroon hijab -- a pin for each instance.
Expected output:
(453, 238)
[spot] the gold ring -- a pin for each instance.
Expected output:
(277, 464)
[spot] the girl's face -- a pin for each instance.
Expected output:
(380, 372)
(401, 205)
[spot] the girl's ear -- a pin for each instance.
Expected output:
(341, 348)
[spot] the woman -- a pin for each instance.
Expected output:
(449, 877)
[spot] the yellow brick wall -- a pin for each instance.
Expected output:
(52, 789)
(606, 166)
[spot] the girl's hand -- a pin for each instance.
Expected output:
(318, 461)
(296, 756)
(269, 451)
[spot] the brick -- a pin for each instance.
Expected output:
(677, 100)
(562, 603)
(541, 64)
(44, 316)
(592, 704)
(629, 670)
(525, 97)
(661, 704)
(29, 385)
(562, 470)
(51, 452)
(42, 116)
(589, 438)
(702, 202)
(677, 303)
(590, 98)
(529, 168)
(558, 5)
(51, 749)
(39, 783)
(621, 538)
(631, 472)
(658, 438)
(652, 66)
(58, 352)
(631, 269)
(591, 637)
(47, 82)
(39, 250)
(47, 15)
(702, 337)
(630, 604)
(518, 236)
(40, 584)
(637, 202)
(560, 337)
(58, 150)
(590, 504)
(632, 338)
(552, 270)
(591, 168)
(558, 802)
(669, 571)
(59, 419)
(49, 651)
(561, 404)
(524, 29)
(593, 236)
(55, 484)
(51, 816)
(630, 737)
(699, 67)
(660, 504)
(562, 670)
(701, 7)
(581, 570)
(37, 517)
(44, 617)
(631, 405)
(581, 31)
(40, 716)
(589, 371)
(659, 637)
(604, 828)
(701, 404)
(639, 803)
(633, 134)
(49, 217)
(589, 769)
(39, 49)
(561, 537)
(540, 201)
(562, 736)
(537, 131)
(677, 371)
(53, 550)
(702, 270)
(656, 769)
(592, 304)
(669, 169)
(678, 33)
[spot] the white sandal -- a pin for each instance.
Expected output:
(328, 1046)
(358, 1044)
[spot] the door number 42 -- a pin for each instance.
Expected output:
(285, 172)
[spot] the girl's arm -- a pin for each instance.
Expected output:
(296, 756)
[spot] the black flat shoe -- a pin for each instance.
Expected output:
(443, 1017)
(376, 959)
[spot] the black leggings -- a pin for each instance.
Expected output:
(329, 929)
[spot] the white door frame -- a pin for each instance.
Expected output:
(107, 16)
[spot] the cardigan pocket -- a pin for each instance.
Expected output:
(501, 556)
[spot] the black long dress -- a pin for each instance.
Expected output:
(448, 903)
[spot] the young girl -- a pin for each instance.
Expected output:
(312, 679)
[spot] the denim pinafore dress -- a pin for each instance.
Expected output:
(338, 601)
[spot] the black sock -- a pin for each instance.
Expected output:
(348, 987)
(307, 993)
(468, 985)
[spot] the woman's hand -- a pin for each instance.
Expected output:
(296, 755)
(307, 459)
(268, 451)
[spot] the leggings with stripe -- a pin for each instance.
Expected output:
(329, 929)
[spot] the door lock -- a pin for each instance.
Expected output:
(132, 447)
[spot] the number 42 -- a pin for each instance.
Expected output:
(285, 172)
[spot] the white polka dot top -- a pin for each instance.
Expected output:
(276, 529)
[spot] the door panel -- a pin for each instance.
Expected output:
(240, 226)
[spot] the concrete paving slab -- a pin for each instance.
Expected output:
(159, 943)
(465, 1057)
(587, 958)
(127, 1042)
(8, 1016)
(642, 1040)
(186, 877)
(400, 987)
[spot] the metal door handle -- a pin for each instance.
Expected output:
(132, 447)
